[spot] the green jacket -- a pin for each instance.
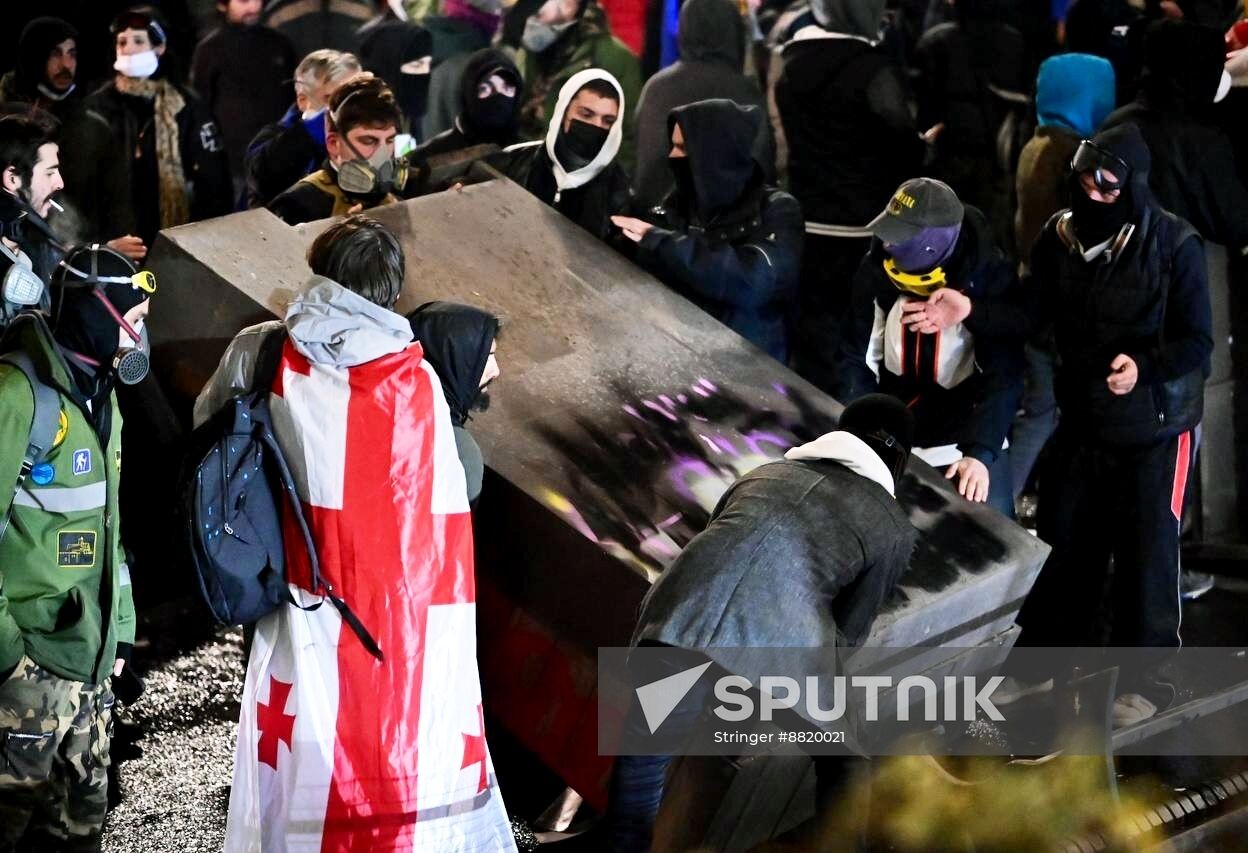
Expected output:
(65, 596)
(589, 44)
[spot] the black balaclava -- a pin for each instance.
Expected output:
(1094, 221)
(577, 146)
(885, 425)
(456, 340)
(719, 164)
(37, 40)
(492, 119)
(83, 325)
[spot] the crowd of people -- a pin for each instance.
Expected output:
(984, 220)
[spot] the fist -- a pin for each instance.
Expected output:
(1123, 374)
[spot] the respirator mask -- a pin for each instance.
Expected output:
(376, 175)
(21, 287)
(132, 359)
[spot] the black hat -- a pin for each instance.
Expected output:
(885, 424)
(917, 205)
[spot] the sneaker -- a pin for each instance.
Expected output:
(1192, 585)
(1132, 708)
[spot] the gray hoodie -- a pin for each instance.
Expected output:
(327, 323)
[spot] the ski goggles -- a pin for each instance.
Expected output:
(920, 285)
(1109, 172)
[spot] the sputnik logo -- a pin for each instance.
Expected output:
(659, 698)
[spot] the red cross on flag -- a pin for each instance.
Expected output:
(338, 751)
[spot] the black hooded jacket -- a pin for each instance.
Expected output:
(724, 238)
(845, 109)
(94, 181)
(1194, 173)
(712, 53)
(468, 131)
(975, 414)
(590, 206)
(1148, 300)
(456, 340)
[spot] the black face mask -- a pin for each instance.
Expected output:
(1095, 221)
(683, 173)
(577, 146)
(492, 115)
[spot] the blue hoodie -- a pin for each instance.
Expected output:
(1075, 91)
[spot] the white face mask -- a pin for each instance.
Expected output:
(140, 65)
(311, 114)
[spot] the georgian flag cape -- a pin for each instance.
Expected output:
(338, 751)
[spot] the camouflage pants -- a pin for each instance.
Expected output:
(54, 737)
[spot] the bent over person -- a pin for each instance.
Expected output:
(339, 749)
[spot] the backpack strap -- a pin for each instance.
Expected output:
(43, 427)
(268, 362)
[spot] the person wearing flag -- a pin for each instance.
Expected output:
(339, 749)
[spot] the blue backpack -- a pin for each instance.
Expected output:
(230, 499)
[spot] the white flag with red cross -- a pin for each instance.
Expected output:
(338, 751)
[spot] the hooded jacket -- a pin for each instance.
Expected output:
(26, 84)
(712, 53)
(65, 596)
(327, 323)
(1074, 94)
(1194, 173)
(456, 340)
(455, 42)
(963, 383)
(466, 131)
(801, 552)
(725, 239)
(589, 196)
(1147, 298)
(845, 109)
(587, 44)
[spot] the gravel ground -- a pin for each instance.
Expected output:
(174, 795)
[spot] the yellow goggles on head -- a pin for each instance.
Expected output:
(920, 285)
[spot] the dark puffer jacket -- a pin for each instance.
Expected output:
(1149, 300)
(735, 247)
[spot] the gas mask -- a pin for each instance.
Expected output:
(376, 175)
(21, 287)
(131, 360)
(138, 65)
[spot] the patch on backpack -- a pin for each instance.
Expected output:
(76, 549)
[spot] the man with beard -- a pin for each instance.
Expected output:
(723, 237)
(489, 103)
(574, 169)
(63, 565)
(461, 342)
(360, 171)
(46, 79)
(1123, 284)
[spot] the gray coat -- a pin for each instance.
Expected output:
(794, 551)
